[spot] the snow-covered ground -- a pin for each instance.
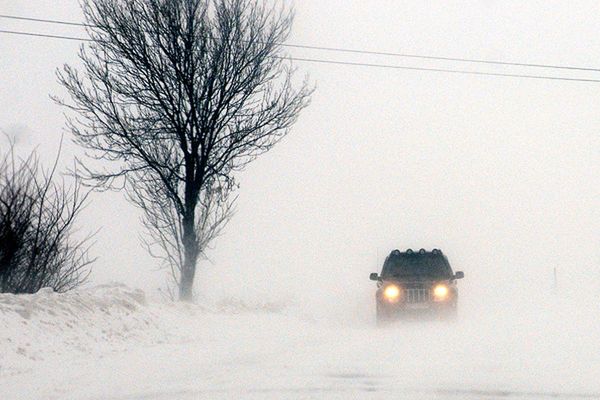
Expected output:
(110, 342)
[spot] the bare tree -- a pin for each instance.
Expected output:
(180, 94)
(37, 216)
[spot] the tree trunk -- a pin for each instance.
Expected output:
(188, 272)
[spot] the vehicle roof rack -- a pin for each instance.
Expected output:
(422, 251)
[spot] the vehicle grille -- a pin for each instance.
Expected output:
(417, 295)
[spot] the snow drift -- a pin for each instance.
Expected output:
(101, 319)
(110, 342)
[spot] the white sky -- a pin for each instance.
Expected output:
(500, 173)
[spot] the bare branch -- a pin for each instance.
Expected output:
(37, 215)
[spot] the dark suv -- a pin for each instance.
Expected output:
(416, 282)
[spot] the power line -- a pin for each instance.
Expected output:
(453, 71)
(49, 21)
(425, 57)
(46, 35)
(357, 51)
(357, 64)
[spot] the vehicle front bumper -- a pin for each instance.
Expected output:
(391, 310)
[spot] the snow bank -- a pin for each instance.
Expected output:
(102, 319)
(98, 321)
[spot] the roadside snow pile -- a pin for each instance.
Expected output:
(102, 319)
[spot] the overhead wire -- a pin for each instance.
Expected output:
(45, 35)
(447, 70)
(356, 51)
(356, 64)
(49, 21)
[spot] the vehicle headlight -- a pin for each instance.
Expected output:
(391, 292)
(440, 292)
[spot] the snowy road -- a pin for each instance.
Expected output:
(290, 356)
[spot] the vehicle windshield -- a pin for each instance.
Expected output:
(420, 266)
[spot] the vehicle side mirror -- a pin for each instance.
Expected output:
(374, 276)
(459, 275)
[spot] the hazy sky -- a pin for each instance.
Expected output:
(500, 173)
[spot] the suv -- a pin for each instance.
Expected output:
(416, 282)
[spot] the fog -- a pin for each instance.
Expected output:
(499, 173)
